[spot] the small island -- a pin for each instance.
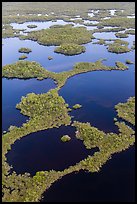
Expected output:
(22, 57)
(32, 26)
(65, 138)
(25, 50)
(50, 58)
(118, 48)
(129, 62)
(70, 49)
(76, 106)
(121, 66)
(121, 35)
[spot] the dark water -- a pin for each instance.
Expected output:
(47, 151)
(114, 183)
(12, 91)
(98, 92)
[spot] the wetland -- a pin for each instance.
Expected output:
(72, 118)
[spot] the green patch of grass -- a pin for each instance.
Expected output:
(70, 49)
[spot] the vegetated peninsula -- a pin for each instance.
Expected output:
(28, 69)
(127, 110)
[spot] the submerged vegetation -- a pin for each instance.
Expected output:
(70, 49)
(65, 138)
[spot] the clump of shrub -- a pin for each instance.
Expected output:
(76, 106)
(22, 57)
(25, 50)
(32, 26)
(65, 138)
(129, 62)
(70, 49)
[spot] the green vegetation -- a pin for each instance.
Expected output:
(131, 32)
(25, 188)
(32, 26)
(65, 138)
(127, 110)
(22, 57)
(118, 48)
(121, 66)
(118, 21)
(60, 35)
(24, 50)
(9, 32)
(27, 69)
(23, 69)
(77, 106)
(121, 42)
(121, 35)
(133, 46)
(129, 62)
(44, 110)
(70, 49)
(100, 42)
